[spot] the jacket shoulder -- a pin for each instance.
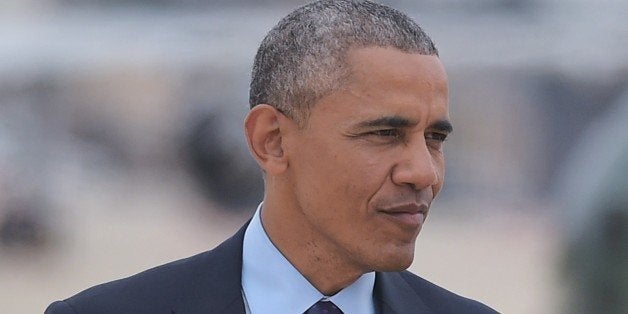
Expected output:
(196, 284)
(442, 300)
(153, 290)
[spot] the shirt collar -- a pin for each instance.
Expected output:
(272, 285)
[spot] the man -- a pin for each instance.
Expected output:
(348, 119)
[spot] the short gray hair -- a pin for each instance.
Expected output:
(302, 59)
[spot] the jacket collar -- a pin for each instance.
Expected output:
(225, 295)
(393, 295)
(391, 292)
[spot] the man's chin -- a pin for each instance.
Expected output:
(395, 266)
(394, 262)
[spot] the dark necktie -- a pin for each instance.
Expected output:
(323, 307)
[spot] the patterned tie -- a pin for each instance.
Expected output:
(323, 307)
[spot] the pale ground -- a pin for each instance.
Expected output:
(504, 259)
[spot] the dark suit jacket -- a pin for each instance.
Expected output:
(210, 282)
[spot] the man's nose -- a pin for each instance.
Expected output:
(416, 168)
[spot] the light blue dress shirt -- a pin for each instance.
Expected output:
(271, 284)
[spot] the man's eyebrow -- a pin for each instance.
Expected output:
(443, 126)
(390, 121)
(400, 122)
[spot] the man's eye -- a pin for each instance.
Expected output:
(440, 137)
(386, 133)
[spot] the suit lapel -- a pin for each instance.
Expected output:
(394, 296)
(222, 288)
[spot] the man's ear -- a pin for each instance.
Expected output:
(264, 137)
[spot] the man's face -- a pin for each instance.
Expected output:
(369, 161)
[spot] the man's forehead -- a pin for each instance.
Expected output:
(375, 54)
(371, 64)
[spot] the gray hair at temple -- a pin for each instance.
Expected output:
(302, 59)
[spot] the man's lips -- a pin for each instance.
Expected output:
(409, 215)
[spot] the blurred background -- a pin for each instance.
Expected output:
(121, 145)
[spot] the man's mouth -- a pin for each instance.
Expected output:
(410, 215)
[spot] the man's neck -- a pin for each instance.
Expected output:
(316, 260)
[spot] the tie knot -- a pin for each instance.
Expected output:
(323, 307)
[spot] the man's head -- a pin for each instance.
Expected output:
(348, 121)
(303, 58)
